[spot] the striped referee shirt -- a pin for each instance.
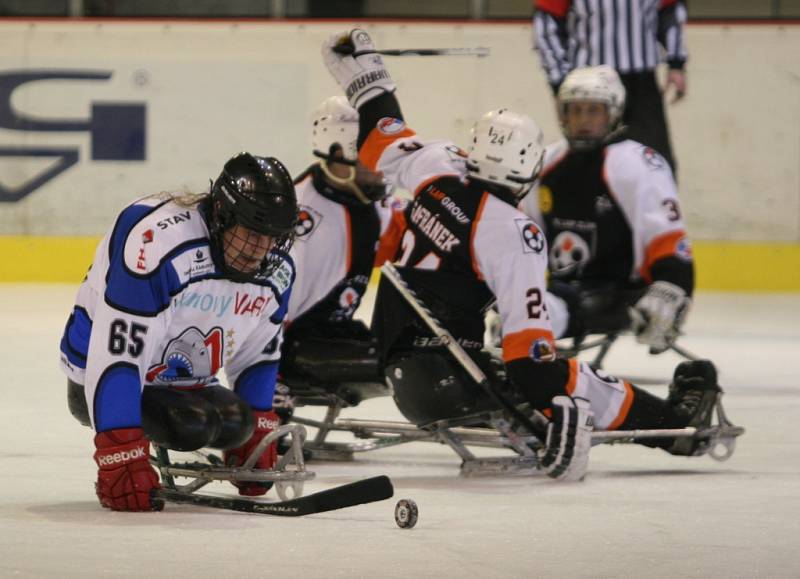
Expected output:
(624, 34)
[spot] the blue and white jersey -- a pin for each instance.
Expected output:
(155, 309)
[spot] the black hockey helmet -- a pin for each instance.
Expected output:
(256, 193)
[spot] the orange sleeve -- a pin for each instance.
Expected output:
(390, 240)
(557, 8)
(659, 248)
(518, 345)
(625, 408)
(377, 141)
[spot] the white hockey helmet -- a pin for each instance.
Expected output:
(593, 84)
(335, 125)
(507, 149)
(335, 122)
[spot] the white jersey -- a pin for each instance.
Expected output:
(155, 309)
(336, 247)
(609, 214)
(456, 227)
(471, 235)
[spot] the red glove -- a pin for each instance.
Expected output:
(125, 477)
(266, 421)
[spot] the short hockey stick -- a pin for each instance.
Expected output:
(357, 493)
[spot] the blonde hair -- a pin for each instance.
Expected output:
(181, 198)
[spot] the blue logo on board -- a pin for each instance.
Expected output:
(117, 129)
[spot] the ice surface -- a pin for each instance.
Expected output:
(639, 513)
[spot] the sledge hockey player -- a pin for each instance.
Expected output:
(619, 256)
(347, 225)
(466, 245)
(181, 286)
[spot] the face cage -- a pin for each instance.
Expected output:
(586, 144)
(280, 245)
(364, 192)
(219, 222)
(527, 184)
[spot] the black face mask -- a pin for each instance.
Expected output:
(219, 224)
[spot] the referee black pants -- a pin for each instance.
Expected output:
(644, 114)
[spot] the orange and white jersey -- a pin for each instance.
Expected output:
(457, 227)
(336, 246)
(610, 213)
(476, 239)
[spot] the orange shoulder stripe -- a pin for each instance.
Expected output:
(572, 380)
(377, 141)
(390, 240)
(624, 409)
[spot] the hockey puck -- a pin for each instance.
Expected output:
(406, 513)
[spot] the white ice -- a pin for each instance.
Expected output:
(639, 513)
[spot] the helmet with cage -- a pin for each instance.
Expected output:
(252, 215)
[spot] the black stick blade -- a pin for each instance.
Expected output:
(357, 493)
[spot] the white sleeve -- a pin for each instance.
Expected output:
(642, 183)
(129, 321)
(510, 254)
(406, 161)
(410, 163)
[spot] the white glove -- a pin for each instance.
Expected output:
(493, 336)
(659, 314)
(352, 61)
(565, 455)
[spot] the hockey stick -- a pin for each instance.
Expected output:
(360, 492)
(455, 348)
(479, 51)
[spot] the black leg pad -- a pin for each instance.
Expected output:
(76, 401)
(236, 417)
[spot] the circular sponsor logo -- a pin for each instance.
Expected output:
(390, 125)
(533, 237)
(684, 249)
(348, 298)
(652, 158)
(305, 223)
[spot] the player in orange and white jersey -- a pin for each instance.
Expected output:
(609, 209)
(347, 225)
(467, 245)
(347, 222)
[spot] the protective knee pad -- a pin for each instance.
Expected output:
(76, 401)
(428, 387)
(235, 415)
(179, 420)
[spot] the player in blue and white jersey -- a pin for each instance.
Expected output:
(180, 287)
